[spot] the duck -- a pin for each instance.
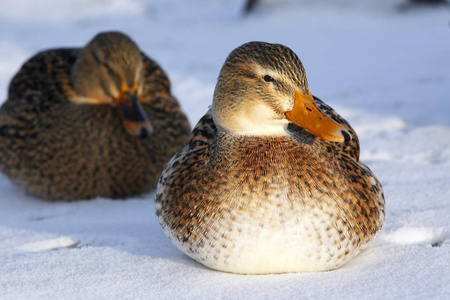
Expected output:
(270, 181)
(96, 121)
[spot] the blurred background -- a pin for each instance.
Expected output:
(386, 56)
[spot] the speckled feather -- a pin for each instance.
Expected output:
(59, 150)
(269, 204)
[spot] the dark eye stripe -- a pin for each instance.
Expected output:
(284, 88)
(108, 67)
(95, 55)
(248, 74)
(105, 64)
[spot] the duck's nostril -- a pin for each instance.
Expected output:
(144, 133)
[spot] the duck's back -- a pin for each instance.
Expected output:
(268, 204)
(60, 150)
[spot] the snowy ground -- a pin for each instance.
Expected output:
(385, 70)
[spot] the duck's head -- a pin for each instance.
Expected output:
(109, 70)
(261, 88)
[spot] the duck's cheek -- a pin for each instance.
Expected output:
(306, 114)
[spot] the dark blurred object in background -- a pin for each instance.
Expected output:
(250, 6)
(429, 1)
(412, 4)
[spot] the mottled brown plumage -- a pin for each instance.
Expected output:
(263, 195)
(59, 143)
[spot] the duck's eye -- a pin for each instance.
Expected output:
(268, 78)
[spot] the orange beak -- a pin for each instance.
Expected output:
(133, 116)
(307, 115)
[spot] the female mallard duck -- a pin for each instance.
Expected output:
(270, 180)
(96, 121)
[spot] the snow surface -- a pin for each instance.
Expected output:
(386, 70)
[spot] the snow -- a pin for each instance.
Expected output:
(386, 70)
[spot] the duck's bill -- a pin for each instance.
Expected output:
(133, 116)
(307, 115)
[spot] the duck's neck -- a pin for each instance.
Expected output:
(254, 120)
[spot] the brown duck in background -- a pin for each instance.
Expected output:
(99, 121)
